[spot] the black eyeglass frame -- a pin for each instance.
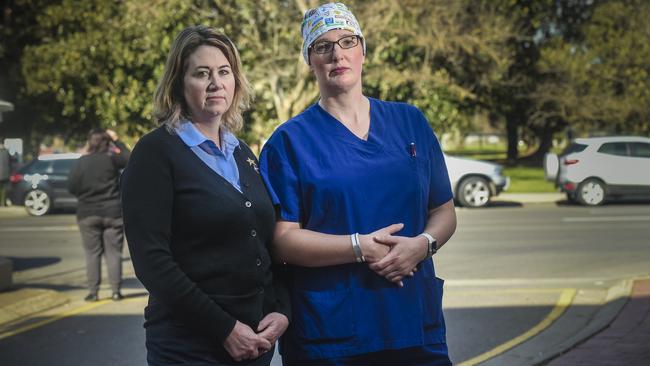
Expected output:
(338, 41)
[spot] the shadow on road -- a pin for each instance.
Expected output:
(501, 204)
(47, 286)
(132, 282)
(118, 339)
(25, 263)
(136, 294)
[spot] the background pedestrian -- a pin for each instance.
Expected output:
(94, 180)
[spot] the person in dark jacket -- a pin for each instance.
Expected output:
(119, 147)
(5, 171)
(94, 180)
(198, 218)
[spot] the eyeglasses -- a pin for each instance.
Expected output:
(323, 47)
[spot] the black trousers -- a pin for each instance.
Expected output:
(102, 236)
(169, 344)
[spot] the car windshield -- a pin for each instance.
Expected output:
(574, 148)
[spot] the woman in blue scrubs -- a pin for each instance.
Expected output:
(364, 202)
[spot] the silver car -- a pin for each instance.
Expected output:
(475, 182)
(592, 170)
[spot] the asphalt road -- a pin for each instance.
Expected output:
(505, 268)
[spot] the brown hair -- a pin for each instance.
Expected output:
(98, 141)
(169, 104)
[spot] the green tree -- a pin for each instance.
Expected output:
(103, 59)
(444, 57)
(601, 82)
(17, 28)
(267, 34)
(517, 102)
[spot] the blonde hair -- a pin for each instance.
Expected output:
(169, 106)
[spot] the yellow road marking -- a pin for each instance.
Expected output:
(566, 297)
(56, 317)
(504, 291)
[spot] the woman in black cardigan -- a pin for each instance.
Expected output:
(198, 218)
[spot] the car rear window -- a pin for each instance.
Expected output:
(640, 149)
(614, 148)
(574, 148)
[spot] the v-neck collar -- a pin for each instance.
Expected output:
(245, 168)
(345, 131)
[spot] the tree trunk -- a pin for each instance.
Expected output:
(545, 137)
(513, 138)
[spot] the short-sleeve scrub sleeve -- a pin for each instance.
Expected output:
(281, 181)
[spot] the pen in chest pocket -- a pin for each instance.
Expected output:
(412, 149)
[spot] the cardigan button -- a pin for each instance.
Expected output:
(248, 204)
(253, 233)
(258, 262)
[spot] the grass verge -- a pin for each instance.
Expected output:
(528, 180)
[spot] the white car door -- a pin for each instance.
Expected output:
(640, 158)
(613, 164)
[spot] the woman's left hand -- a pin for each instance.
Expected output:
(272, 326)
(403, 258)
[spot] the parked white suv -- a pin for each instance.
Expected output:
(475, 182)
(592, 170)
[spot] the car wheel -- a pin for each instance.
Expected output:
(37, 202)
(591, 192)
(474, 192)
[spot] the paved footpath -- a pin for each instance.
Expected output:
(625, 342)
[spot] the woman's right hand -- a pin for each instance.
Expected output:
(372, 250)
(244, 344)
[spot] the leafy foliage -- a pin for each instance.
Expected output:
(535, 66)
(602, 82)
(103, 59)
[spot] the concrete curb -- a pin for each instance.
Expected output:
(12, 211)
(530, 197)
(21, 303)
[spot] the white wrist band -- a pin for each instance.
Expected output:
(432, 244)
(356, 248)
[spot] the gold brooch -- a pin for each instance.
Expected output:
(252, 163)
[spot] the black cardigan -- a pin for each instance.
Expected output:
(197, 244)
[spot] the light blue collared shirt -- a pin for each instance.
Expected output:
(221, 161)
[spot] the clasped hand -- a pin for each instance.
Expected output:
(390, 256)
(245, 344)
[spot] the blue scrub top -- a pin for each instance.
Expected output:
(325, 178)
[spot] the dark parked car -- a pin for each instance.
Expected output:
(42, 184)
